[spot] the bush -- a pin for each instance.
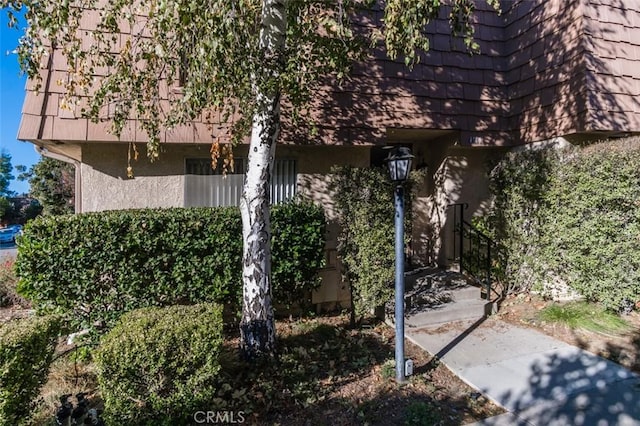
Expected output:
(519, 184)
(94, 267)
(26, 351)
(158, 365)
(573, 216)
(297, 245)
(364, 200)
(591, 224)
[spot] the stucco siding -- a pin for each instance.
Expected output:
(105, 185)
(454, 174)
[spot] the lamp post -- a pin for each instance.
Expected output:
(399, 163)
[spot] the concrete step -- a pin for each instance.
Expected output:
(433, 277)
(435, 296)
(436, 287)
(450, 312)
(432, 298)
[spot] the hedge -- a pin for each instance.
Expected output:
(573, 216)
(26, 351)
(365, 207)
(297, 244)
(93, 267)
(158, 366)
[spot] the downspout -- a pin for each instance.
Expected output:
(77, 174)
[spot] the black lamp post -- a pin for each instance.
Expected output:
(399, 163)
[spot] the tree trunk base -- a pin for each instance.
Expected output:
(257, 340)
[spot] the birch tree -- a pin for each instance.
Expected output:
(243, 62)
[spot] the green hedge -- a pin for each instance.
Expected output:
(297, 245)
(520, 184)
(573, 215)
(26, 351)
(365, 206)
(158, 365)
(93, 267)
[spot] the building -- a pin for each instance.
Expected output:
(554, 71)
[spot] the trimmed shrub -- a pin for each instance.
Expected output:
(572, 216)
(591, 224)
(297, 245)
(364, 201)
(94, 267)
(158, 366)
(519, 184)
(26, 351)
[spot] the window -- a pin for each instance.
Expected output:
(205, 187)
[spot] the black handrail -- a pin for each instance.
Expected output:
(472, 248)
(458, 219)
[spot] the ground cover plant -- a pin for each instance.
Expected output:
(586, 316)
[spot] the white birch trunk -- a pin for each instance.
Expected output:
(257, 328)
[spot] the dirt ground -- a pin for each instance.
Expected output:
(352, 380)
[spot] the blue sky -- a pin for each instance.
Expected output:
(11, 96)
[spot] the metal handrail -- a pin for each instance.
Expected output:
(466, 232)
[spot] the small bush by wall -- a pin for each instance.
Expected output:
(158, 365)
(364, 201)
(297, 245)
(519, 184)
(94, 267)
(573, 216)
(26, 351)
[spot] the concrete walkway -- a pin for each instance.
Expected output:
(7, 253)
(540, 381)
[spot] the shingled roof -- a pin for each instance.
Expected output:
(546, 68)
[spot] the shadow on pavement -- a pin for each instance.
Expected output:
(574, 387)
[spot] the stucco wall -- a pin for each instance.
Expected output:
(452, 174)
(105, 185)
(314, 164)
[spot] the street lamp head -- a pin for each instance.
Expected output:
(399, 163)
